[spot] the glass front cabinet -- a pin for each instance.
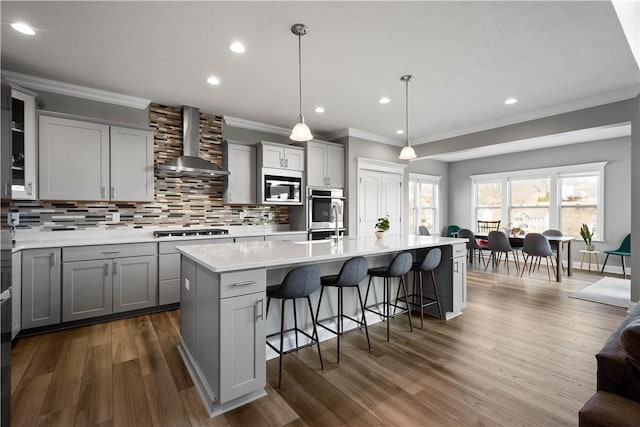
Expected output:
(23, 141)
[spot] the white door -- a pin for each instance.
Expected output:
(391, 200)
(369, 200)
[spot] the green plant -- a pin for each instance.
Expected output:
(586, 234)
(382, 224)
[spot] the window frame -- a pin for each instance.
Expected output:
(555, 174)
(434, 180)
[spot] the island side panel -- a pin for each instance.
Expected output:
(208, 328)
(187, 305)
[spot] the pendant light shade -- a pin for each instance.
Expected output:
(300, 131)
(407, 152)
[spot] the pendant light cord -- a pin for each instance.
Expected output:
(407, 111)
(300, 72)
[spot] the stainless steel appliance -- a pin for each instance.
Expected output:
(281, 187)
(5, 256)
(326, 211)
(190, 232)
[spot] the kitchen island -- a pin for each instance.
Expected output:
(223, 321)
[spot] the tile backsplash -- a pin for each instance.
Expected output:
(178, 201)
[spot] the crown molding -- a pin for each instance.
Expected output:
(357, 133)
(68, 89)
(257, 126)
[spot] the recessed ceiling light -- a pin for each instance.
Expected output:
(23, 28)
(399, 131)
(384, 100)
(319, 110)
(510, 101)
(237, 47)
(213, 80)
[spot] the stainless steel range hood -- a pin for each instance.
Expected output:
(190, 163)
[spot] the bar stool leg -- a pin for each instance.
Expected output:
(421, 301)
(435, 291)
(339, 325)
(406, 298)
(364, 320)
(387, 292)
(295, 322)
(315, 332)
(281, 342)
(319, 301)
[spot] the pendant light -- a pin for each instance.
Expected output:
(300, 131)
(407, 152)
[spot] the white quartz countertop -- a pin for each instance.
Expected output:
(57, 239)
(246, 255)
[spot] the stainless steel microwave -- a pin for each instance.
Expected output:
(280, 187)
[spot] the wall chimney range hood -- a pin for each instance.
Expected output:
(190, 163)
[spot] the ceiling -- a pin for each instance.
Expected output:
(467, 58)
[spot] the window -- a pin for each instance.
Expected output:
(535, 200)
(423, 200)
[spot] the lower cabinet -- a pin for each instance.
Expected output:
(229, 355)
(40, 287)
(459, 277)
(111, 282)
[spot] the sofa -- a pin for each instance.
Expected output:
(617, 399)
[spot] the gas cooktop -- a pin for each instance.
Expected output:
(190, 232)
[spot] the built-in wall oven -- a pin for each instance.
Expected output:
(326, 211)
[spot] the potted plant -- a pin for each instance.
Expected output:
(516, 231)
(381, 226)
(587, 236)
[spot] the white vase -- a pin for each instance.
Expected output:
(379, 234)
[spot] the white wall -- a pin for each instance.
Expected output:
(617, 191)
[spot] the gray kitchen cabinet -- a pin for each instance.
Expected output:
(240, 184)
(16, 293)
(459, 274)
(40, 287)
(229, 354)
(23, 142)
(325, 164)
(104, 279)
(81, 160)
(280, 156)
(87, 289)
(169, 267)
(131, 172)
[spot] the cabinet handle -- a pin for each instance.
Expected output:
(456, 264)
(281, 163)
(106, 269)
(115, 268)
(260, 315)
(286, 162)
(110, 252)
(113, 193)
(7, 189)
(29, 188)
(53, 259)
(248, 282)
(103, 192)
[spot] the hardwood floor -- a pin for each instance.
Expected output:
(522, 354)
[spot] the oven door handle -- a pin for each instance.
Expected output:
(327, 197)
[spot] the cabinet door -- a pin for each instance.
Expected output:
(242, 347)
(335, 166)
(135, 283)
(188, 304)
(316, 168)
(391, 205)
(86, 289)
(369, 204)
(294, 158)
(74, 159)
(23, 139)
(272, 157)
(241, 182)
(40, 287)
(16, 293)
(131, 164)
(459, 283)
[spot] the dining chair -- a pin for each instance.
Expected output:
(452, 229)
(624, 250)
(536, 245)
(499, 244)
(423, 231)
(472, 244)
(554, 233)
(485, 227)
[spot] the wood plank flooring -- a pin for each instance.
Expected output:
(522, 354)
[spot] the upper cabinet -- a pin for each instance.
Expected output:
(240, 161)
(82, 160)
(325, 164)
(23, 146)
(280, 156)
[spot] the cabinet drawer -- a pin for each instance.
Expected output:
(170, 247)
(459, 250)
(169, 291)
(242, 283)
(85, 253)
(168, 266)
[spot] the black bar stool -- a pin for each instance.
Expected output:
(430, 262)
(298, 283)
(400, 265)
(351, 274)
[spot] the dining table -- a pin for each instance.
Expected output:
(556, 242)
